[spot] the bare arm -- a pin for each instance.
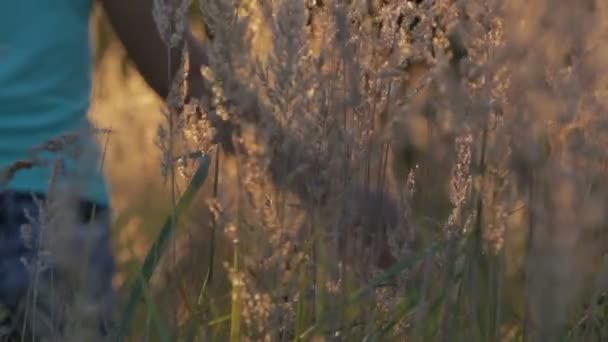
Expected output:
(134, 24)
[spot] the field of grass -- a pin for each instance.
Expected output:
(394, 171)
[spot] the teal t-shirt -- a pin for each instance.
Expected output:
(45, 84)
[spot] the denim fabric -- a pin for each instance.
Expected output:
(42, 267)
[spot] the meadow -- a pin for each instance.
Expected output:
(376, 170)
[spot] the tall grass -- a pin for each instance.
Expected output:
(409, 170)
(390, 170)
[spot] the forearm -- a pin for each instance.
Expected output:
(134, 24)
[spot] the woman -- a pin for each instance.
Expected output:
(48, 153)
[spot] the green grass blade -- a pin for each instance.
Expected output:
(300, 310)
(321, 277)
(161, 328)
(159, 246)
(235, 315)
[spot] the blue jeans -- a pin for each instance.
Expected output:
(56, 269)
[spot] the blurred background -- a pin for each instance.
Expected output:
(122, 102)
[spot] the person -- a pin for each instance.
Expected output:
(48, 150)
